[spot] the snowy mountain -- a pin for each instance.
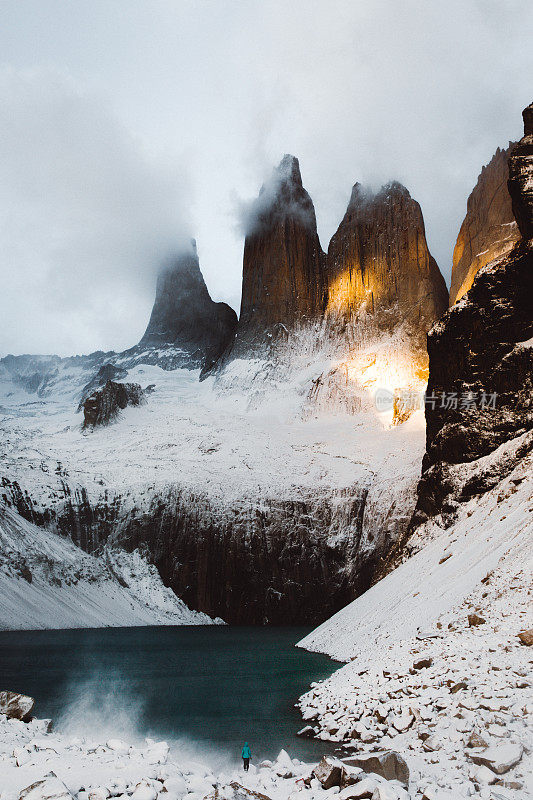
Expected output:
(295, 464)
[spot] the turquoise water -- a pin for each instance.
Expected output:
(208, 687)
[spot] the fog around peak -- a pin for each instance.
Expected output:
(129, 126)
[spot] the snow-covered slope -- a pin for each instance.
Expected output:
(446, 566)
(475, 676)
(275, 477)
(48, 582)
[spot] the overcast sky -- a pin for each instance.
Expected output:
(126, 125)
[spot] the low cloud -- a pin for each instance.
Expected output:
(87, 218)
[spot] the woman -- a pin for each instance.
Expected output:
(246, 756)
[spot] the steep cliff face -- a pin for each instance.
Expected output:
(283, 265)
(379, 263)
(480, 391)
(489, 229)
(521, 177)
(184, 315)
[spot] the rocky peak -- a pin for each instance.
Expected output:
(185, 316)
(521, 177)
(379, 263)
(283, 264)
(489, 229)
(481, 368)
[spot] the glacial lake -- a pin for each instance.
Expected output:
(205, 689)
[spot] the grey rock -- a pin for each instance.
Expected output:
(386, 763)
(16, 706)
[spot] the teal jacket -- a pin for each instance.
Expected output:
(246, 752)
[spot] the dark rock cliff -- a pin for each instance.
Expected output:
(185, 316)
(379, 263)
(521, 177)
(283, 264)
(279, 561)
(480, 391)
(489, 229)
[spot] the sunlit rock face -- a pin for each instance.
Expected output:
(185, 316)
(379, 264)
(489, 229)
(481, 368)
(283, 266)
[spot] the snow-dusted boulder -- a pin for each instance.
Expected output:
(16, 706)
(49, 788)
(328, 772)
(387, 763)
(499, 758)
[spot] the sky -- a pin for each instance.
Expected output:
(127, 126)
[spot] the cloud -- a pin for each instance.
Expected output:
(280, 196)
(419, 91)
(87, 218)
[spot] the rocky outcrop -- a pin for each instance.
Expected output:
(489, 229)
(103, 406)
(480, 390)
(379, 264)
(185, 316)
(283, 265)
(521, 177)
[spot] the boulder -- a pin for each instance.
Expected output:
(526, 637)
(482, 775)
(329, 772)
(458, 686)
(175, 786)
(98, 793)
(402, 722)
(16, 706)
(499, 758)
(476, 740)
(423, 663)
(474, 620)
(307, 732)
(387, 763)
(242, 793)
(144, 791)
(386, 791)
(364, 788)
(48, 788)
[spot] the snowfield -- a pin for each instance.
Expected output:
(297, 431)
(422, 677)
(48, 582)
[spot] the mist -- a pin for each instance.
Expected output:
(128, 125)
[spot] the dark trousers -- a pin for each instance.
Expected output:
(246, 764)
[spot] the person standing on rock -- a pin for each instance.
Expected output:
(246, 756)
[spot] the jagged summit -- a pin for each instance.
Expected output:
(281, 197)
(283, 264)
(488, 230)
(289, 168)
(379, 262)
(184, 314)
